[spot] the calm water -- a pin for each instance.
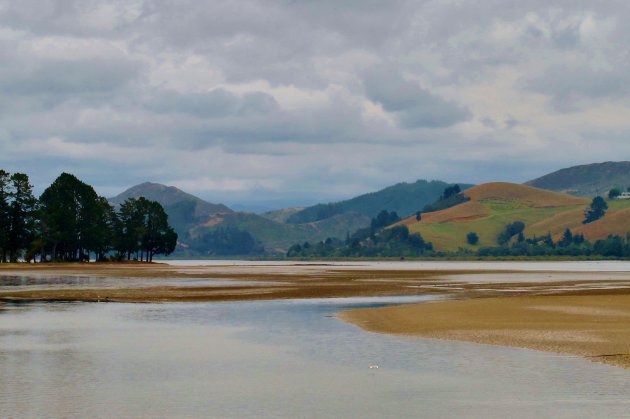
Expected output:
(551, 266)
(274, 359)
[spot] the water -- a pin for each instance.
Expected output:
(274, 359)
(531, 266)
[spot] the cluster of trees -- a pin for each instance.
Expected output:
(514, 229)
(70, 222)
(569, 244)
(596, 211)
(373, 241)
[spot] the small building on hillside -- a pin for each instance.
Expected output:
(624, 195)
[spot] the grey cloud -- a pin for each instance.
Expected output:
(569, 85)
(212, 104)
(416, 107)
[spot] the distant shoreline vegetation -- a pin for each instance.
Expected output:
(70, 222)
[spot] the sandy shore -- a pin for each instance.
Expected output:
(592, 326)
(581, 313)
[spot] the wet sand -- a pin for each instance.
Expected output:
(589, 325)
(580, 313)
(137, 282)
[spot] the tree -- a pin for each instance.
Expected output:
(450, 191)
(596, 211)
(418, 216)
(75, 220)
(384, 219)
(159, 237)
(511, 230)
(22, 215)
(5, 225)
(567, 238)
(143, 230)
(472, 238)
(614, 193)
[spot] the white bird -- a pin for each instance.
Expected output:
(373, 367)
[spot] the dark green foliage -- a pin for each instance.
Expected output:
(227, 241)
(472, 238)
(569, 245)
(5, 225)
(403, 198)
(450, 191)
(596, 211)
(418, 216)
(613, 246)
(373, 241)
(74, 220)
(614, 193)
(143, 230)
(511, 230)
(70, 221)
(451, 197)
(22, 215)
(384, 219)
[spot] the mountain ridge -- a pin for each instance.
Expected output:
(586, 180)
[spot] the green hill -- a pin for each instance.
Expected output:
(587, 180)
(183, 209)
(404, 198)
(205, 229)
(494, 205)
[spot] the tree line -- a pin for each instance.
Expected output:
(377, 240)
(70, 222)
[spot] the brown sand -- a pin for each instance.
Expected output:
(585, 314)
(593, 326)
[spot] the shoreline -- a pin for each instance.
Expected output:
(578, 313)
(593, 326)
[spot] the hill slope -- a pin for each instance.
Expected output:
(404, 198)
(168, 196)
(586, 180)
(193, 217)
(494, 205)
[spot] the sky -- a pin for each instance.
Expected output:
(278, 103)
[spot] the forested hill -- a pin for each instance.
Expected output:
(169, 196)
(587, 180)
(403, 198)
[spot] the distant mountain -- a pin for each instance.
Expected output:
(281, 215)
(169, 196)
(404, 198)
(587, 180)
(494, 205)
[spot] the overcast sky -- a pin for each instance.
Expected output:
(301, 101)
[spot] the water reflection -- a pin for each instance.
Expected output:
(274, 359)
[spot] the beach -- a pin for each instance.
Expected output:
(582, 312)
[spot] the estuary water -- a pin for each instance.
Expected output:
(288, 359)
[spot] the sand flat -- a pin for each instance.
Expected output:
(592, 326)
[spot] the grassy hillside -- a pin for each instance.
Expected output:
(404, 198)
(587, 180)
(494, 205)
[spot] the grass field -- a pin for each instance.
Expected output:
(494, 205)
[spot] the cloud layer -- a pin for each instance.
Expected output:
(299, 101)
